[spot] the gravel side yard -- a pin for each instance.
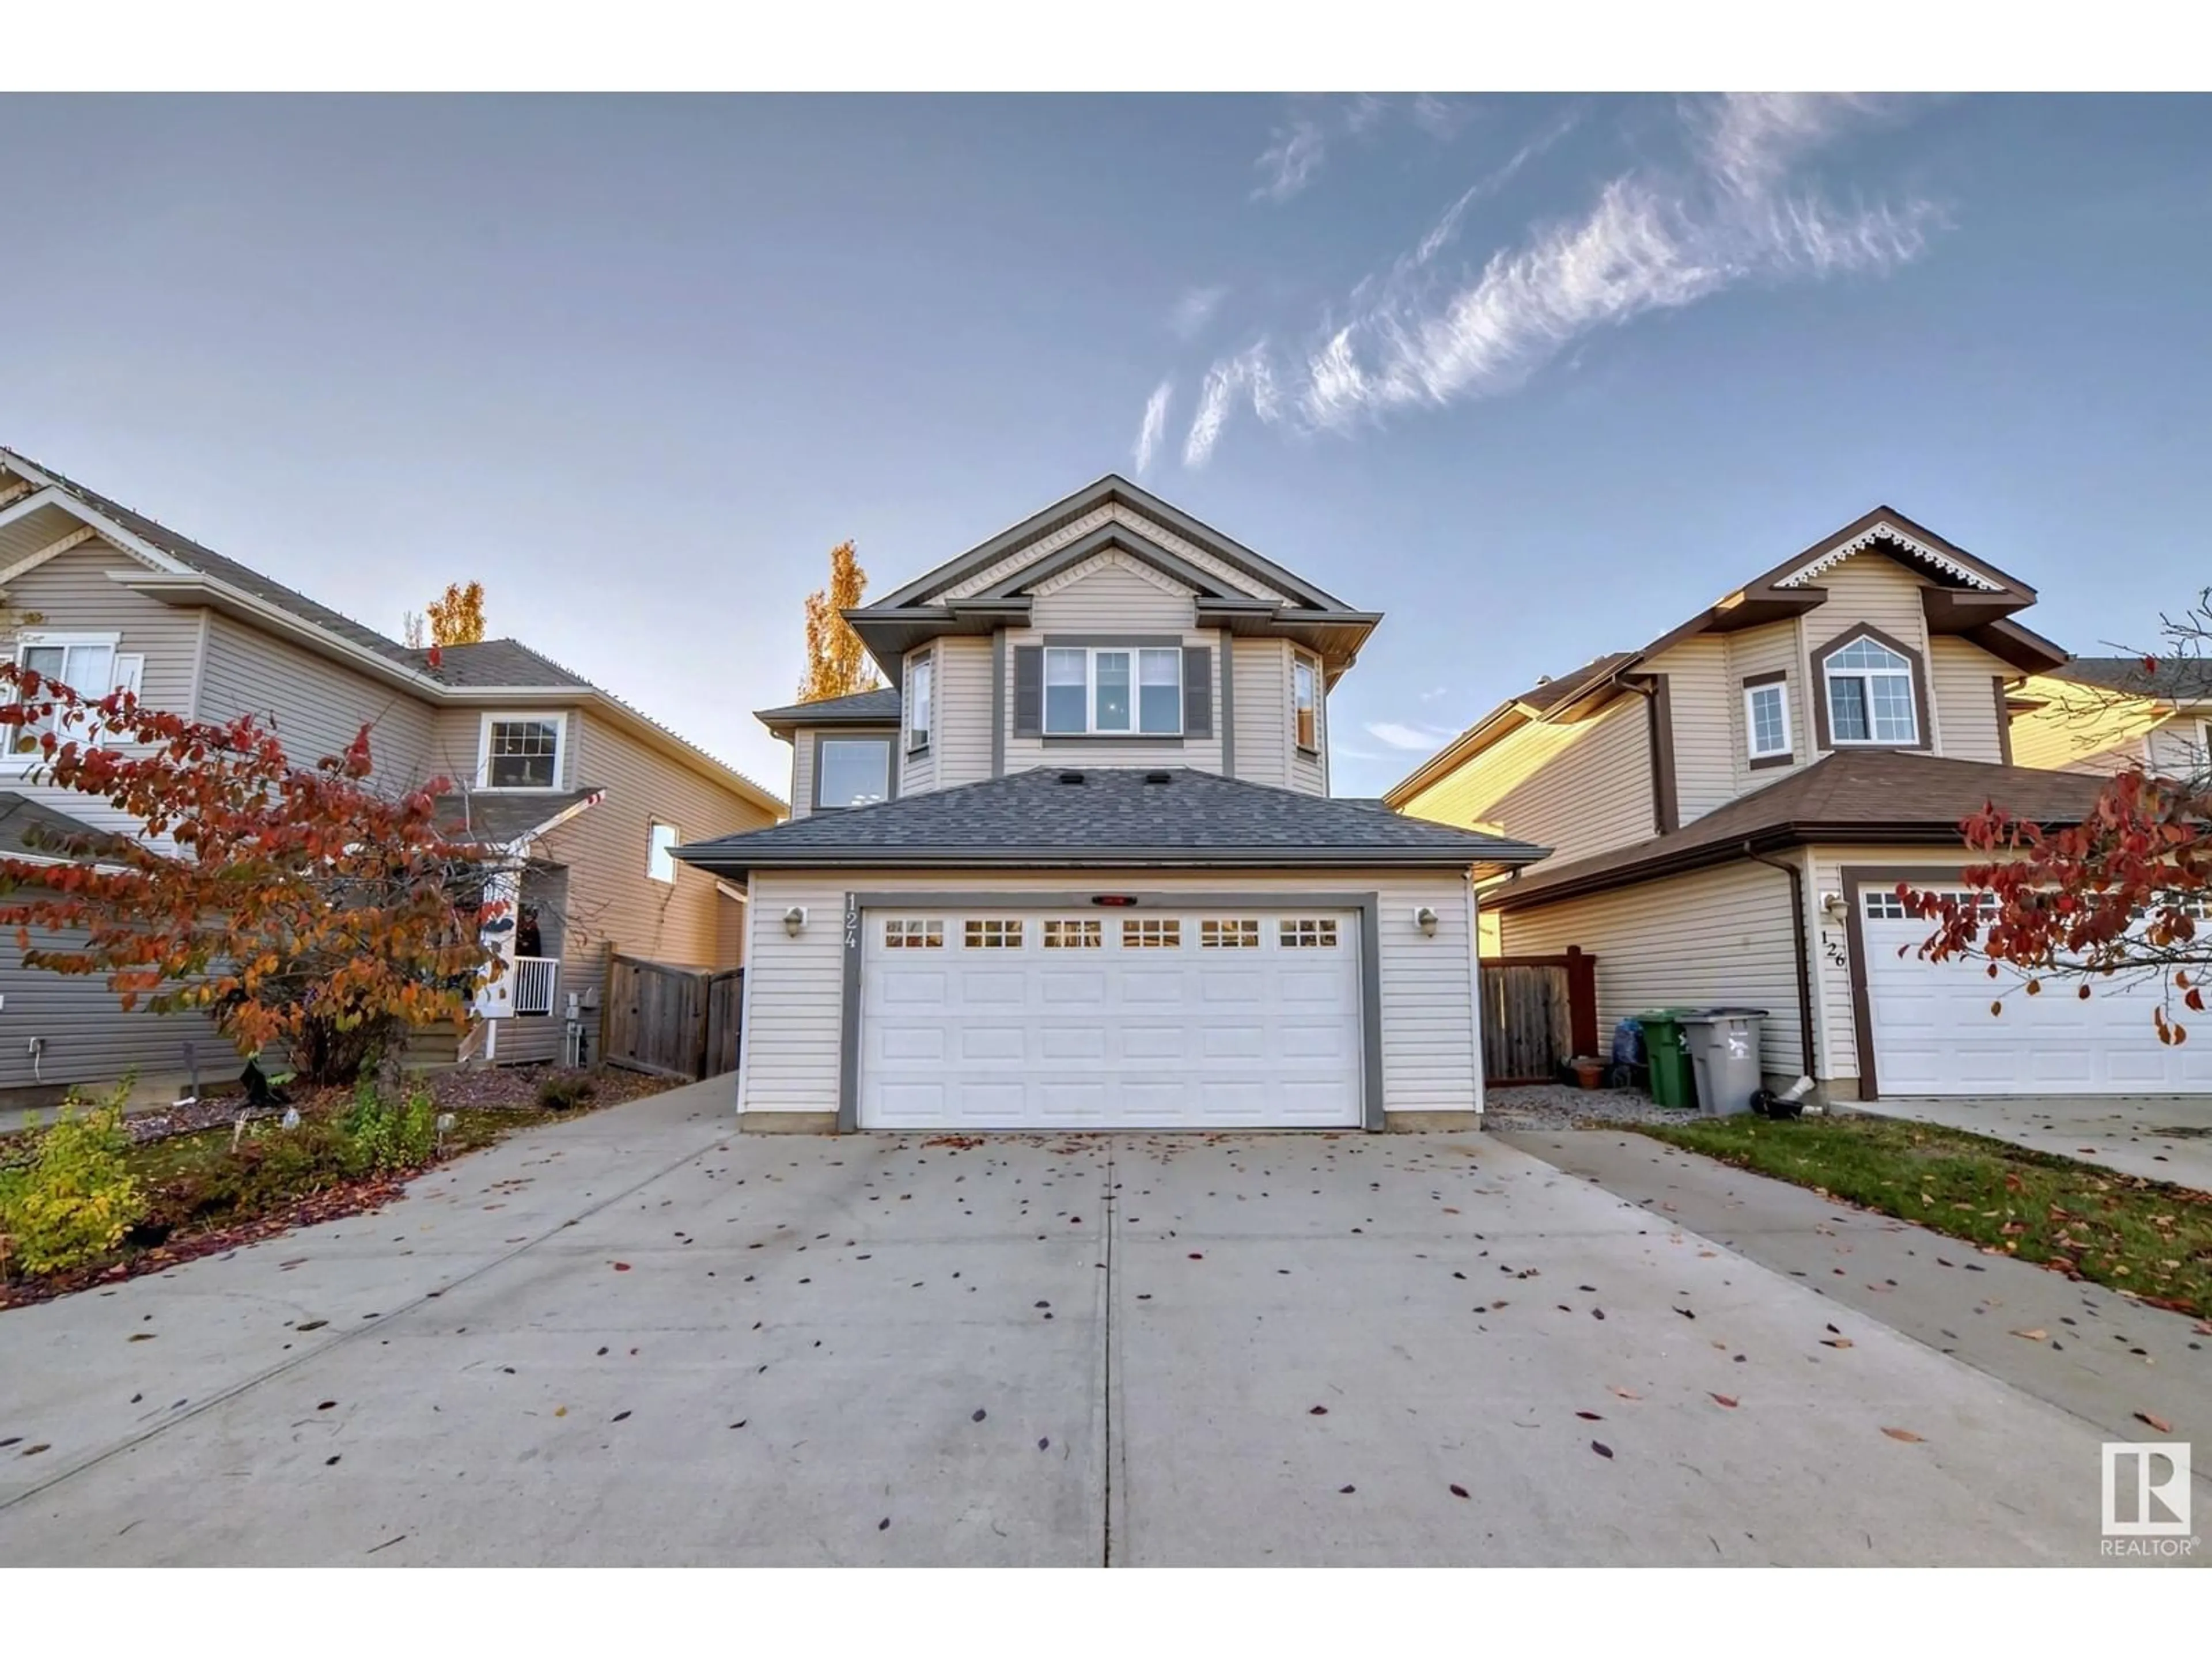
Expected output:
(1560, 1106)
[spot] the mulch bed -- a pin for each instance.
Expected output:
(495, 1091)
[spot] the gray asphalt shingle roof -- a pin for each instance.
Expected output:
(879, 707)
(2174, 677)
(497, 662)
(498, 817)
(32, 828)
(1113, 816)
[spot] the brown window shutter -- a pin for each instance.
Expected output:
(1029, 690)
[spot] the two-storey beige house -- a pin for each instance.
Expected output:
(587, 795)
(1078, 868)
(1731, 807)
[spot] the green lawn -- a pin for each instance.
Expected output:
(2153, 1241)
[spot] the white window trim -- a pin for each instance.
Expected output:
(1312, 665)
(653, 853)
(922, 665)
(1830, 674)
(1091, 729)
(1781, 689)
(127, 670)
(824, 741)
(557, 719)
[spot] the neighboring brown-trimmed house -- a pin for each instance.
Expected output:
(1729, 806)
(588, 793)
(2107, 714)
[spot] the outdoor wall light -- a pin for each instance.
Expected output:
(1425, 920)
(794, 920)
(1837, 906)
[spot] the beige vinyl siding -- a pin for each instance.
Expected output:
(793, 1021)
(1262, 671)
(2178, 749)
(88, 1039)
(1961, 677)
(613, 904)
(1701, 694)
(802, 771)
(1110, 596)
(2084, 728)
(1772, 649)
(70, 593)
(963, 737)
(1578, 789)
(315, 707)
(917, 773)
(1869, 588)
(1715, 937)
(457, 742)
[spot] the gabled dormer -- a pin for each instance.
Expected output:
(1111, 629)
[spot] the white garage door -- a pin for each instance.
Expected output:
(1934, 1033)
(1015, 1019)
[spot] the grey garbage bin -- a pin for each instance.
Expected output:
(1723, 1045)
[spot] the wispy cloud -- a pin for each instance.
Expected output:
(1441, 117)
(1415, 336)
(1155, 425)
(1195, 309)
(1297, 149)
(1409, 738)
(1246, 377)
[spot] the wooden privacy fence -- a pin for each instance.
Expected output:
(671, 1021)
(1537, 1012)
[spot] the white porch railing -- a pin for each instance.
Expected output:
(536, 979)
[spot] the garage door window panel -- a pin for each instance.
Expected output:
(1215, 934)
(1087, 935)
(993, 933)
(1309, 933)
(1152, 933)
(914, 935)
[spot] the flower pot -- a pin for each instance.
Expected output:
(1588, 1074)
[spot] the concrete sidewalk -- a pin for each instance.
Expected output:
(2158, 1137)
(638, 1337)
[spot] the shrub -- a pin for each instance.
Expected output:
(564, 1090)
(392, 1137)
(76, 1198)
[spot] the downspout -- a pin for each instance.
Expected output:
(1804, 954)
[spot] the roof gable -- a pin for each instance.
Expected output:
(1111, 499)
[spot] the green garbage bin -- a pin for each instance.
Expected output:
(1673, 1083)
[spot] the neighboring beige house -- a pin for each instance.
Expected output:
(2106, 714)
(591, 792)
(1077, 867)
(1730, 807)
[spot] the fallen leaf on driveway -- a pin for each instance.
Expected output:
(619, 1416)
(560, 1411)
(1835, 1342)
(1346, 1489)
(47, 1445)
(1905, 1435)
(2158, 1422)
(1459, 1491)
(1590, 1417)
(142, 1336)
(622, 1266)
(1600, 1448)
(1318, 1410)
(311, 1324)
(1628, 1394)
(1686, 1313)
(2039, 1334)
(1725, 1400)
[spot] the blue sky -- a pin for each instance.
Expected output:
(1537, 377)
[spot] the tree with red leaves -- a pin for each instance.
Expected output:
(294, 905)
(2125, 895)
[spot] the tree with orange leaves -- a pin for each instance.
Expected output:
(837, 663)
(457, 617)
(293, 904)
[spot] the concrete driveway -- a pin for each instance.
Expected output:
(2158, 1137)
(639, 1338)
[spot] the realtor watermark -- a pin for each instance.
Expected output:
(2147, 1498)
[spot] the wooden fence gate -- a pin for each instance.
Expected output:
(1537, 1012)
(672, 1022)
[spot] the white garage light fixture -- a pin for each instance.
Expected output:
(1425, 920)
(794, 920)
(1837, 906)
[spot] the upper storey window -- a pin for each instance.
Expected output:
(1870, 697)
(1306, 701)
(852, 772)
(1090, 691)
(920, 701)
(522, 752)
